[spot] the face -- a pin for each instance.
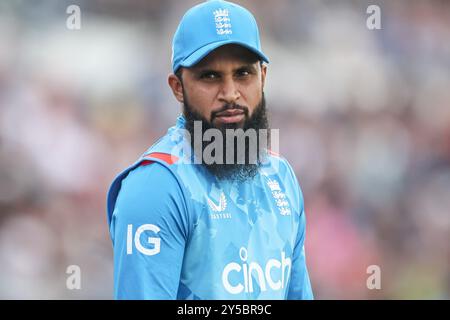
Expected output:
(225, 87)
(225, 91)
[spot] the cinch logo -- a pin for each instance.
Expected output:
(246, 270)
(137, 240)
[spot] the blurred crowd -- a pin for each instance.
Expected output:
(364, 119)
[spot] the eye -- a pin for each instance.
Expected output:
(243, 73)
(209, 75)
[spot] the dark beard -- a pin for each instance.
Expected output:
(248, 166)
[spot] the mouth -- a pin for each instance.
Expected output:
(230, 116)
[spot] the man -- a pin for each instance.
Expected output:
(186, 227)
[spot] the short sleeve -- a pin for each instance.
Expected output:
(300, 285)
(149, 229)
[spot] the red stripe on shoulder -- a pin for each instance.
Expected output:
(166, 157)
(273, 153)
(146, 163)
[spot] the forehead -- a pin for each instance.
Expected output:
(231, 53)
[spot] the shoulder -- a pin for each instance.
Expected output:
(279, 165)
(148, 181)
(151, 194)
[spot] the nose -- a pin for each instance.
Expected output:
(229, 92)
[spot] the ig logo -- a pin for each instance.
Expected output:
(156, 242)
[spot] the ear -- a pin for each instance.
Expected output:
(176, 86)
(263, 75)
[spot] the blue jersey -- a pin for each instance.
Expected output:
(180, 233)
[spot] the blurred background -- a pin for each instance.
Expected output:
(364, 119)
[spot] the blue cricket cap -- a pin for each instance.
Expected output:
(210, 25)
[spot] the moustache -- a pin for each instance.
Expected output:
(229, 109)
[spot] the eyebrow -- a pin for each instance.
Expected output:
(203, 70)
